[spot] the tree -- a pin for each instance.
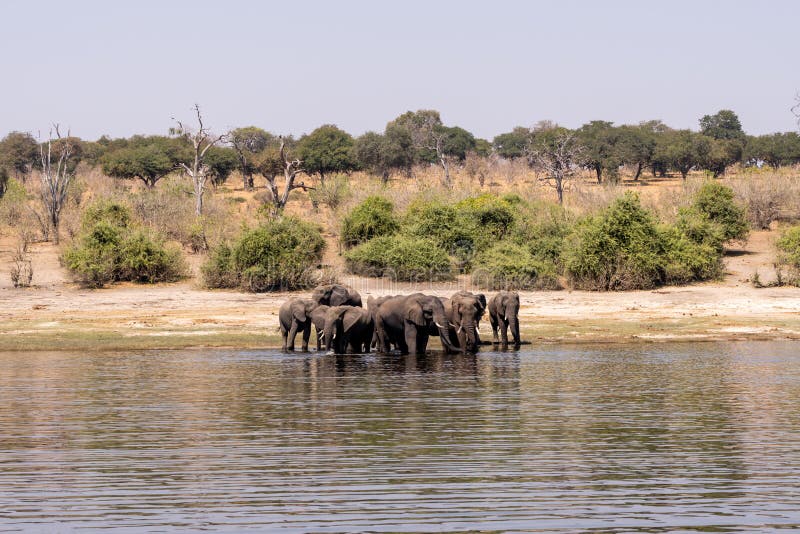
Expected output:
(720, 154)
(145, 158)
(275, 160)
(722, 125)
(599, 139)
(194, 164)
(434, 141)
(635, 146)
(557, 152)
(19, 152)
(221, 162)
(773, 149)
(684, 149)
(247, 142)
(656, 128)
(372, 152)
(3, 181)
(57, 176)
(325, 150)
(513, 144)
(399, 149)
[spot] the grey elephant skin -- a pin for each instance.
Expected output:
(372, 305)
(318, 319)
(406, 322)
(348, 329)
(464, 311)
(294, 316)
(336, 295)
(504, 315)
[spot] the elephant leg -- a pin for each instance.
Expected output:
(306, 335)
(319, 338)
(493, 323)
(503, 331)
(411, 339)
(292, 335)
(422, 342)
(284, 335)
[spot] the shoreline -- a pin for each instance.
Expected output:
(181, 316)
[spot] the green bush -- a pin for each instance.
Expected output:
(111, 248)
(716, 202)
(620, 248)
(13, 204)
(400, 257)
(491, 216)
(788, 246)
(374, 217)
(687, 260)
(542, 228)
(280, 254)
(700, 229)
(443, 224)
(512, 266)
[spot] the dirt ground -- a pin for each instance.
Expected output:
(56, 314)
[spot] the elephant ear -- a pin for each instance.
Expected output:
(338, 296)
(482, 300)
(414, 313)
(350, 318)
(299, 312)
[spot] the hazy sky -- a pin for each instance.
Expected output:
(121, 68)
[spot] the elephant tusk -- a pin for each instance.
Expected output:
(438, 325)
(478, 329)
(460, 328)
(334, 335)
(320, 334)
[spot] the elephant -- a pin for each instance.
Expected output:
(348, 329)
(336, 295)
(405, 322)
(318, 319)
(372, 305)
(504, 313)
(464, 311)
(295, 315)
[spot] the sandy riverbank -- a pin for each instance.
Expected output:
(180, 315)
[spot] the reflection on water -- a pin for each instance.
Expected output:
(634, 438)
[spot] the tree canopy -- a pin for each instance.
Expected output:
(326, 150)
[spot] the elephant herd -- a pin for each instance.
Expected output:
(401, 322)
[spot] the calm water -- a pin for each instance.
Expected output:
(638, 438)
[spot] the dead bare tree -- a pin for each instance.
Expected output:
(55, 178)
(429, 133)
(556, 152)
(278, 163)
(202, 140)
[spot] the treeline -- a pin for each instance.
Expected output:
(422, 138)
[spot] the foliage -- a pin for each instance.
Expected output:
(221, 162)
(445, 225)
(280, 254)
(687, 259)
(110, 248)
(145, 158)
(332, 192)
(400, 257)
(618, 249)
(19, 152)
(511, 266)
(724, 124)
(372, 218)
(716, 201)
(774, 149)
(541, 228)
(513, 144)
(599, 139)
(488, 216)
(327, 149)
(788, 246)
(13, 202)
(3, 181)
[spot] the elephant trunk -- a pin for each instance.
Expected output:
(513, 325)
(471, 337)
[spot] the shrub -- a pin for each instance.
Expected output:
(716, 202)
(492, 215)
(218, 271)
(444, 225)
(401, 258)
(687, 260)
(620, 248)
(788, 246)
(13, 203)
(700, 229)
(374, 217)
(542, 228)
(512, 266)
(278, 255)
(111, 248)
(332, 192)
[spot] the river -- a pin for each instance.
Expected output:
(614, 438)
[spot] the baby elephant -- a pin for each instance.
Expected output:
(348, 329)
(295, 315)
(318, 319)
(504, 313)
